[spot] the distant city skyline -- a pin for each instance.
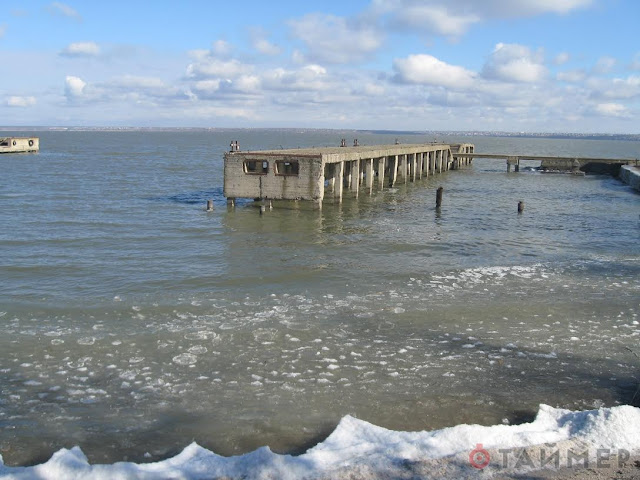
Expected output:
(570, 66)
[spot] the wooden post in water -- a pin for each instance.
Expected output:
(439, 197)
(520, 206)
(209, 205)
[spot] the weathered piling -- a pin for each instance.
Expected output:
(209, 205)
(439, 197)
(520, 206)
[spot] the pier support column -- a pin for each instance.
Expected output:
(330, 174)
(348, 173)
(339, 178)
(402, 168)
(413, 167)
(393, 170)
(368, 175)
(355, 176)
(420, 164)
(439, 161)
(381, 168)
(445, 156)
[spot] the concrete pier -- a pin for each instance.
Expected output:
(630, 175)
(561, 164)
(19, 144)
(310, 173)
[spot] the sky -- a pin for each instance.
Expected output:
(484, 65)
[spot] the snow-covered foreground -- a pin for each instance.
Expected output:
(557, 438)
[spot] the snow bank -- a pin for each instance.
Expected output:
(357, 449)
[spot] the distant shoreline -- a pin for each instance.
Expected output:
(559, 135)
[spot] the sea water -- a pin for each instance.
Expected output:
(135, 322)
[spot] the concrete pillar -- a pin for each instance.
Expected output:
(368, 175)
(381, 168)
(393, 170)
(348, 171)
(420, 164)
(445, 154)
(331, 176)
(339, 174)
(355, 176)
(413, 167)
(401, 174)
(407, 168)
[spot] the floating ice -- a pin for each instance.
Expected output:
(185, 359)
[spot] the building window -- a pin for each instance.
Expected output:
(287, 167)
(256, 167)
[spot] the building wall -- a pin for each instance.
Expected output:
(308, 184)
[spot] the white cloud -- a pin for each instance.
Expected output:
(307, 78)
(428, 70)
(81, 49)
(604, 65)
(572, 76)
(58, 8)
(207, 86)
(635, 63)
(514, 63)
(612, 110)
(616, 88)
(248, 83)
(18, 101)
(561, 58)
(74, 87)
(536, 7)
(137, 82)
(437, 19)
(334, 39)
(265, 47)
(215, 68)
(374, 89)
(221, 48)
(455, 17)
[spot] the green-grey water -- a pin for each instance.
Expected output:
(135, 322)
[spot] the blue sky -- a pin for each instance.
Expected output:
(510, 65)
